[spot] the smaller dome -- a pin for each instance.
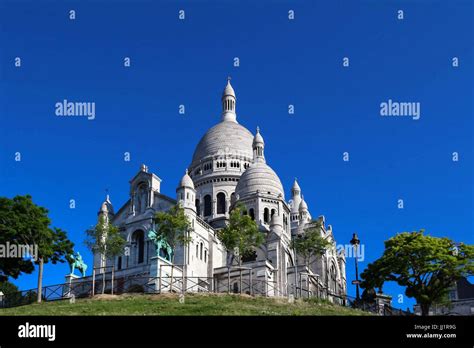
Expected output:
(186, 181)
(259, 177)
(303, 205)
(258, 139)
(228, 90)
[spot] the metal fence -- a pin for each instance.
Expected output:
(375, 308)
(245, 284)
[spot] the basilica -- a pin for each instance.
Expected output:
(228, 167)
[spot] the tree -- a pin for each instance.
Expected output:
(8, 288)
(105, 239)
(173, 225)
(310, 243)
(14, 217)
(25, 223)
(11, 293)
(426, 266)
(54, 247)
(241, 234)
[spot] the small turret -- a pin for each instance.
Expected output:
(295, 190)
(105, 215)
(106, 209)
(303, 210)
(186, 193)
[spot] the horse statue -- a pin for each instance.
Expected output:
(76, 261)
(163, 249)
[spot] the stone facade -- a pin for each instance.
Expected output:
(228, 167)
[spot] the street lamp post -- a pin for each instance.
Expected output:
(355, 243)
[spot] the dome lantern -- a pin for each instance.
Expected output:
(258, 147)
(228, 103)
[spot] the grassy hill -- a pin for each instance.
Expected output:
(194, 304)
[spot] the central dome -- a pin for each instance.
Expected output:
(259, 176)
(226, 137)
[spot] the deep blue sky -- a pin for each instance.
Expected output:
(281, 62)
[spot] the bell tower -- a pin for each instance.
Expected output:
(228, 103)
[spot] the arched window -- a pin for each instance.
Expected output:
(141, 198)
(232, 198)
(205, 255)
(252, 214)
(220, 203)
(207, 205)
(273, 212)
(197, 251)
(266, 215)
(138, 240)
(198, 207)
(200, 251)
(333, 276)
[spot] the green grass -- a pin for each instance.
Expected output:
(194, 304)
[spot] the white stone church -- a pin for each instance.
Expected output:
(228, 166)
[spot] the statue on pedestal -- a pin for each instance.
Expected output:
(163, 249)
(76, 261)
